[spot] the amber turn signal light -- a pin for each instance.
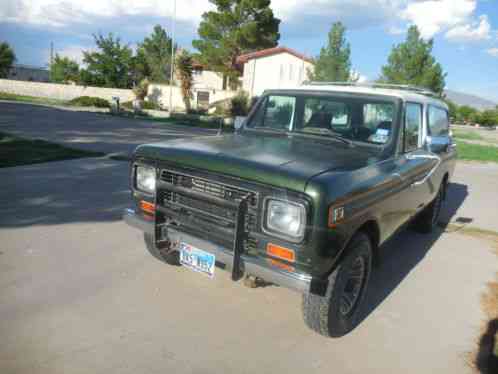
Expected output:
(147, 207)
(281, 252)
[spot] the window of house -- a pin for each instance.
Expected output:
(413, 126)
(438, 122)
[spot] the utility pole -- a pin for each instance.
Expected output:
(51, 59)
(172, 58)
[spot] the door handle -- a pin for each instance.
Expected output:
(429, 174)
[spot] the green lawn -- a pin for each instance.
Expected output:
(15, 151)
(31, 99)
(477, 152)
(467, 135)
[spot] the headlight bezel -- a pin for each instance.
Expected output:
(140, 186)
(287, 236)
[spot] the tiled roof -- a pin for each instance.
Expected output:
(242, 59)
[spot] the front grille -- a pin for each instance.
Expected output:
(211, 188)
(194, 203)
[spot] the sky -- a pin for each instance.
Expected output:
(465, 32)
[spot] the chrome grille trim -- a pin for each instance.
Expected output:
(205, 186)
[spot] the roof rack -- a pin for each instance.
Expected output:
(406, 87)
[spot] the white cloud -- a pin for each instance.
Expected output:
(471, 32)
(433, 16)
(396, 30)
(73, 52)
(492, 52)
(456, 18)
(59, 13)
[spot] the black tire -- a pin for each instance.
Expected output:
(169, 257)
(331, 315)
(427, 220)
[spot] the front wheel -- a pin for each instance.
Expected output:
(337, 313)
(427, 220)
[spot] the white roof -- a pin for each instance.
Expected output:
(404, 94)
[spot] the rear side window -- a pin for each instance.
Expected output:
(413, 126)
(438, 122)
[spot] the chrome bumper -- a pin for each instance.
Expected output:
(250, 265)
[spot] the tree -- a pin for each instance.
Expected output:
(7, 58)
(234, 28)
(110, 66)
(453, 108)
(489, 117)
(63, 70)
(411, 62)
(184, 72)
(153, 59)
(334, 62)
(466, 113)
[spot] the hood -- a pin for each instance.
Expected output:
(278, 160)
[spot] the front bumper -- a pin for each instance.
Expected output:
(250, 265)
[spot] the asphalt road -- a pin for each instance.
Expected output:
(79, 293)
(89, 131)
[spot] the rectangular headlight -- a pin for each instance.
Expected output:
(145, 179)
(285, 219)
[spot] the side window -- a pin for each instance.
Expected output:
(438, 122)
(276, 112)
(413, 126)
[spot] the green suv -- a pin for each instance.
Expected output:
(302, 194)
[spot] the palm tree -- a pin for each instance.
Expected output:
(184, 72)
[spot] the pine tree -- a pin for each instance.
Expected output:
(411, 62)
(234, 28)
(334, 62)
(153, 59)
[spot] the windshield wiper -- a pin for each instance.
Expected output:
(325, 132)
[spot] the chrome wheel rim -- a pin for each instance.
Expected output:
(354, 285)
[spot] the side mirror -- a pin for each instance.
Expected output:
(438, 144)
(239, 122)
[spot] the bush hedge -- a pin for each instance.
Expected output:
(149, 105)
(90, 101)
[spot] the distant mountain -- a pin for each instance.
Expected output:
(477, 102)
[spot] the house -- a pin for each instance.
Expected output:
(278, 67)
(28, 73)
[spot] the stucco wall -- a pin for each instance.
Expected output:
(282, 70)
(157, 92)
(62, 91)
(208, 79)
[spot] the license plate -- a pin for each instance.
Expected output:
(197, 260)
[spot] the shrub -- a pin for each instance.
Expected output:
(141, 89)
(240, 104)
(90, 101)
(149, 105)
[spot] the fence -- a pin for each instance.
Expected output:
(158, 93)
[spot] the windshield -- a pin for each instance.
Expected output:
(366, 119)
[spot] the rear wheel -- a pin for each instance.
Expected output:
(427, 221)
(336, 313)
(168, 256)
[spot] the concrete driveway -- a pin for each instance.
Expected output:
(89, 131)
(79, 293)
